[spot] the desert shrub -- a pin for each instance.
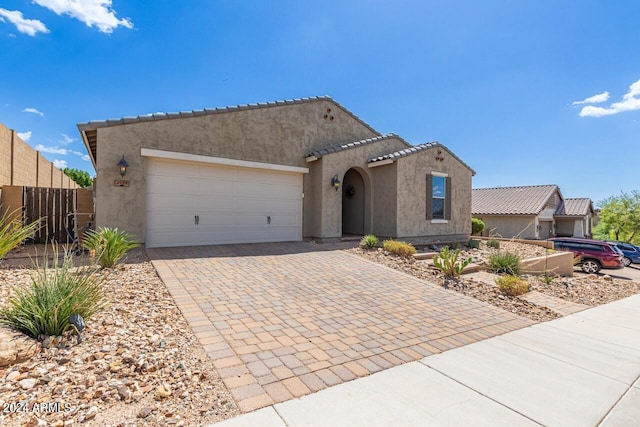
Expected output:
(474, 244)
(512, 285)
(454, 246)
(493, 243)
(449, 263)
(13, 232)
(399, 248)
(56, 292)
(505, 263)
(109, 244)
(477, 226)
(369, 241)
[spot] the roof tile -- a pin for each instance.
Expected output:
(525, 200)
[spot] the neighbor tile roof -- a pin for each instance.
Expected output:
(416, 149)
(362, 142)
(526, 200)
(574, 207)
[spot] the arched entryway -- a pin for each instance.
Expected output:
(353, 203)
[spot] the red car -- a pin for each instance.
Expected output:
(593, 254)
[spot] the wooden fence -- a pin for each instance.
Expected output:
(62, 211)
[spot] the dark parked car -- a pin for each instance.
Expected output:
(631, 252)
(593, 254)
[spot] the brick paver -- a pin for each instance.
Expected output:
(282, 320)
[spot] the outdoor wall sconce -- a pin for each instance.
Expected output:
(335, 182)
(123, 165)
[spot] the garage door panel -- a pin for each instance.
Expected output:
(170, 203)
(232, 203)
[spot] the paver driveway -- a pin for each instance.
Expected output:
(282, 320)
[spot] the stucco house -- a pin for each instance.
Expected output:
(531, 212)
(279, 171)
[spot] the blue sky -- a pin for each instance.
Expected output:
(497, 82)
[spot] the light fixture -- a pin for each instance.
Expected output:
(335, 182)
(77, 322)
(123, 165)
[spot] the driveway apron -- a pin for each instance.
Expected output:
(282, 320)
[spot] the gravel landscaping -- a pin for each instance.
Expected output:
(139, 363)
(585, 289)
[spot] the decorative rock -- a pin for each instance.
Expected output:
(15, 347)
(162, 391)
(144, 412)
(27, 383)
(91, 413)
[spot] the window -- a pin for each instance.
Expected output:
(438, 197)
(439, 189)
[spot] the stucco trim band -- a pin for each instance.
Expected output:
(173, 155)
(380, 163)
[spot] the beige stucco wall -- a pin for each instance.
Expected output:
(522, 226)
(412, 195)
(559, 263)
(280, 135)
(379, 189)
(25, 164)
(5, 155)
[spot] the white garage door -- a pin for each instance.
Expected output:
(202, 204)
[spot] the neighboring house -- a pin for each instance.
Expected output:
(531, 212)
(575, 218)
(280, 171)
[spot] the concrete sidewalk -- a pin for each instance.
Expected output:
(580, 370)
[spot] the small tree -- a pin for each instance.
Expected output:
(477, 225)
(620, 218)
(82, 178)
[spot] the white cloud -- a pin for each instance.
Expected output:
(595, 99)
(91, 12)
(25, 136)
(52, 150)
(83, 156)
(26, 26)
(630, 101)
(66, 139)
(33, 111)
(60, 164)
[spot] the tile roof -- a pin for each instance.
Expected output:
(362, 142)
(416, 149)
(91, 125)
(88, 130)
(574, 207)
(526, 200)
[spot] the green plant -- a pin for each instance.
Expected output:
(109, 244)
(399, 248)
(448, 262)
(474, 244)
(56, 293)
(493, 243)
(477, 225)
(369, 241)
(505, 263)
(548, 277)
(80, 177)
(512, 285)
(13, 232)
